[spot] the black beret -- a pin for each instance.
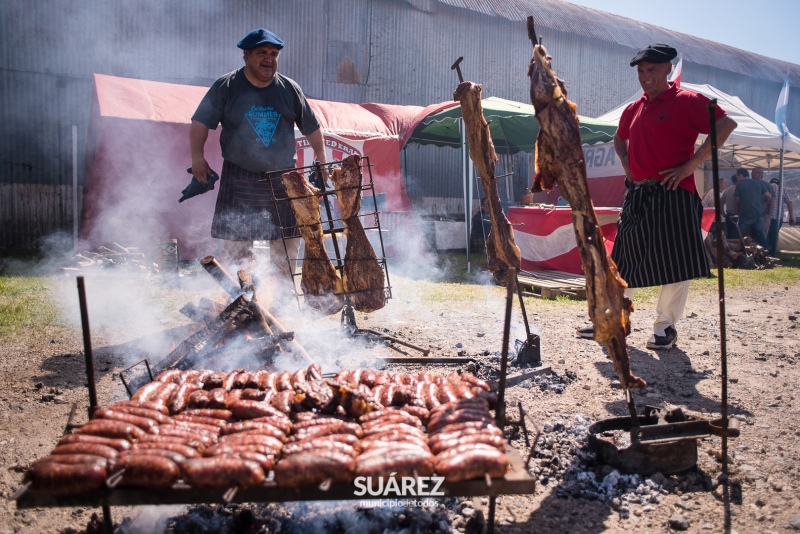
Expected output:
(260, 37)
(655, 53)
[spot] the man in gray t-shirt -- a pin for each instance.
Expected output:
(258, 109)
(751, 200)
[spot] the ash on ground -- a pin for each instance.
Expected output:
(378, 516)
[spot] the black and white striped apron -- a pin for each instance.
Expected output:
(246, 209)
(658, 239)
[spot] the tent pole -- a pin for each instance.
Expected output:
(780, 192)
(465, 181)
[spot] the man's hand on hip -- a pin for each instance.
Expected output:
(671, 178)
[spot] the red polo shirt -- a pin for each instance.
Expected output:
(662, 132)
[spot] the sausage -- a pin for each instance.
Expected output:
(148, 471)
(254, 379)
(283, 382)
(379, 394)
(189, 441)
(448, 432)
(155, 415)
(109, 428)
(222, 473)
(179, 398)
(204, 375)
(170, 375)
(231, 379)
(367, 378)
(420, 412)
(317, 445)
(192, 375)
(461, 404)
(210, 429)
(118, 444)
(283, 401)
(255, 394)
(145, 423)
(350, 439)
(163, 393)
(464, 391)
(424, 376)
(94, 449)
(381, 378)
(250, 409)
(66, 479)
(242, 426)
(447, 393)
(393, 438)
(184, 432)
(145, 393)
(74, 459)
(266, 380)
(279, 421)
(232, 396)
(399, 462)
(431, 396)
(251, 439)
(314, 421)
(298, 377)
(399, 428)
(220, 448)
(393, 416)
(214, 381)
(241, 380)
(191, 418)
(396, 378)
(266, 430)
(464, 426)
(217, 399)
(172, 455)
(222, 415)
(475, 381)
(478, 438)
(471, 461)
(409, 380)
(144, 404)
(266, 461)
(339, 427)
(183, 450)
(438, 421)
(308, 468)
(314, 371)
(198, 399)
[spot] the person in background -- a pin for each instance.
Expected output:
(659, 240)
(258, 109)
(480, 226)
(751, 199)
(777, 217)
(708, 198)
(758, 174)
(726, 198)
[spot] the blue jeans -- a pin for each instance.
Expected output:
(752, 227)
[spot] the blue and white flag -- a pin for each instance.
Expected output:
(781, 108)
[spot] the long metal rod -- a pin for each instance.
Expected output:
(87, 347)
(723, 345)
(326, 202)
(108, 524)
(522, 307)
(500, 411)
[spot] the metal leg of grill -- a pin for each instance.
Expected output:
(490, 522)
(108, 524)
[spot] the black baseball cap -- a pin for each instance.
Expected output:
(655, 53)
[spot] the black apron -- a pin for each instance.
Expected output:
(659, 240)
(246, 208)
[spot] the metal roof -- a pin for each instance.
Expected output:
(570, 18)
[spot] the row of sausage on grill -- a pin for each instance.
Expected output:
(143, 442)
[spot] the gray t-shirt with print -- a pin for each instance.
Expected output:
(257, 122)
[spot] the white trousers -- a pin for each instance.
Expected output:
(671, 305)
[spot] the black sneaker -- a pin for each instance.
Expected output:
(586, 333)
(667, 341)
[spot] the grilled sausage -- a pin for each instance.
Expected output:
(266, 430)
(431, 395)
(144, 404)
(308, 468)
(214, 381)
(172, 455)
(146, 392)
(439, 421)
(399, 428)
(244, 438)
(367, 378)
(189, 441)
(250, 409)
(221, 449)
(243, 426)
(109, 428)
(447, 393)
(266, 380)
(74, 459)
(184, 432)
(179, 398)
(145, 423)
(471, 461)
(401, 461)
(118, 444)
(183, 450)
(382, 378)
(475, 381)
(350, 439)
(209, 429)
(222, 473)
(231, 379)
(198, 399)
(483, 438)
(283, 382)
(223, 415)
(314, 371)
(163, 393)
(191, 418)
(170, 375)
(155, 415)
(241, 380)
(266, 461)
(147, 471)
(463, 426)
(332, 428)
(66, 479)
(217, 399)
(318, 445)
(389, 418)
(255, 394)
(94, 449)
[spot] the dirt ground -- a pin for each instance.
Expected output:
(43, 374)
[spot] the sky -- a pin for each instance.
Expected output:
(766, 27)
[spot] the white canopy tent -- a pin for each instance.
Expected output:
(756, 141)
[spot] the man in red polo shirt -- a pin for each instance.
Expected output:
(659, 242)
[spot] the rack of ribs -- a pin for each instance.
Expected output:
(362, 274)
(321, 284)
(559, 158)
(501, 248)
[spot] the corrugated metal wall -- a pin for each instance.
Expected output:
(389, 51)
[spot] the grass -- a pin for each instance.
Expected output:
(25, 305)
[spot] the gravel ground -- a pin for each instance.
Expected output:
(43, 373)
